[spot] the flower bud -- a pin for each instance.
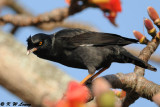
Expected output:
(157, 22)
(141, 38)
(158, 35)
(120, 94)
(150, 28)
(152, 13)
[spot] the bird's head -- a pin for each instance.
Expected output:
(39, 44)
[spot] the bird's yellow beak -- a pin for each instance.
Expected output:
(31, 50)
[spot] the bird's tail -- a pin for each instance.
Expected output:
(129, 58)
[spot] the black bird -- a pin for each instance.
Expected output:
(79, 48)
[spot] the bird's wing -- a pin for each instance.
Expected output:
(72, 38)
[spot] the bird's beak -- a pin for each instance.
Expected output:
(31, 50)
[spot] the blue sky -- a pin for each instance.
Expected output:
(131, 18)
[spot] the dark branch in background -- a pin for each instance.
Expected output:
(56, 15)
(47, 21)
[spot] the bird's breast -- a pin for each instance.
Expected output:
(70, 59)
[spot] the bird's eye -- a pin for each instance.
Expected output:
(40, 43)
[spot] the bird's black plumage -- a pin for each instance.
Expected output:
(84, 49)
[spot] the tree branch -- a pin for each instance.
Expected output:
(134, 85)
(56, 15)
(46, 21)
(146, 53)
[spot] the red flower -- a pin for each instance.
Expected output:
(68, 1)
(110, 6)
(76, 96)
(63, 103)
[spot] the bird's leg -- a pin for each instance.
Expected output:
(86, 78)
(91, 71)
(91, 74)
(99, 72)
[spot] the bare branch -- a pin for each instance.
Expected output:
(134, 83)
(46, 21)
(146, 53)
(56, 15)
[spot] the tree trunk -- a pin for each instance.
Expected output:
(30, 78)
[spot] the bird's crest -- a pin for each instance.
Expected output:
(29, 39)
